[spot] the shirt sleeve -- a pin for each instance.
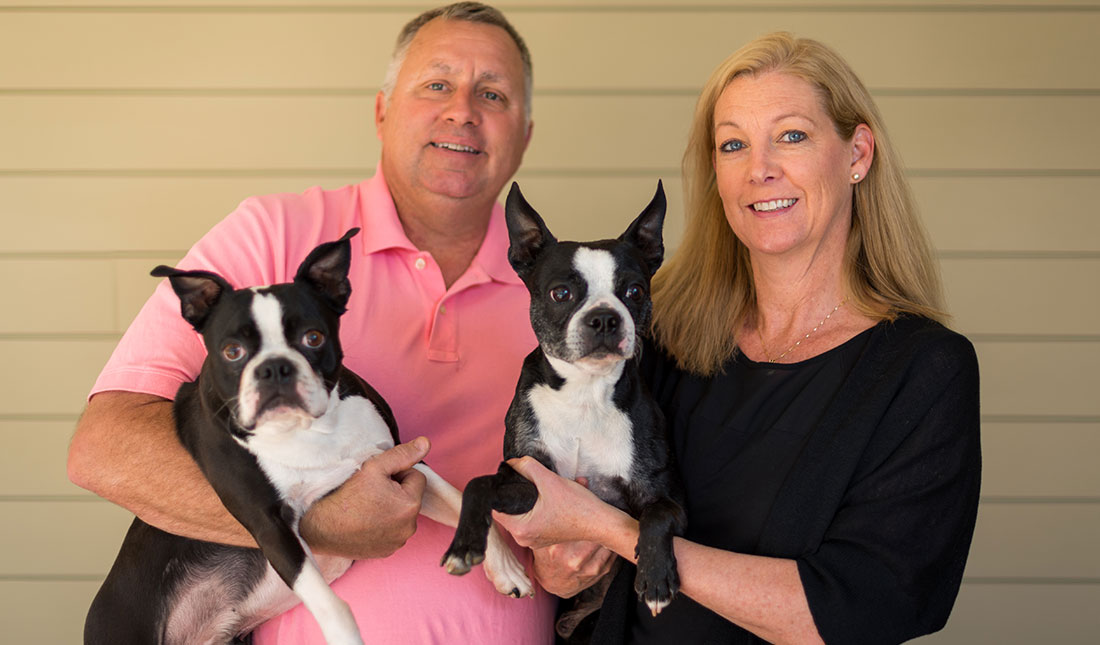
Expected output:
(160, 350)
(892, 560)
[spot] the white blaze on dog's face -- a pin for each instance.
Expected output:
(601, 331)
(277, 383)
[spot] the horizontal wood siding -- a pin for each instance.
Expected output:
(128, 128)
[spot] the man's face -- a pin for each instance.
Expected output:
(455, 124)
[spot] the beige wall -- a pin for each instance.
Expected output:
(126, 132)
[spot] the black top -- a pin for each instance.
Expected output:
(862, 464)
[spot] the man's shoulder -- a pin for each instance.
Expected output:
(315, 202)
(266, 237)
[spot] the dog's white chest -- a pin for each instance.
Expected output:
(585, 434)
(305, 458)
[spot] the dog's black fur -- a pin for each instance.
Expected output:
(165, 588)
(589, 307)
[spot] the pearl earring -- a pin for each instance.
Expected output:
(855, 177)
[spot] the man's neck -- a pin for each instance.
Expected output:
(451, 231)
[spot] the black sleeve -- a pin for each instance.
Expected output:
(892, 559)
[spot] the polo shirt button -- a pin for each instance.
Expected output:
(442, 309)
(420, 264)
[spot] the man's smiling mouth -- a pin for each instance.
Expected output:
(455, 147)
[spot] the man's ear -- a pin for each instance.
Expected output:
(325, 269)
(379, 113)
(530, 131)
(526, 232)
(198, 292)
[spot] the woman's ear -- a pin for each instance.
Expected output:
(863, 152)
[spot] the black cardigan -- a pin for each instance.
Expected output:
(880, 508)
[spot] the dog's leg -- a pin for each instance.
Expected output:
(506, 491)
(332, 613)
(442, 503)
(657, 580)
(292, 559)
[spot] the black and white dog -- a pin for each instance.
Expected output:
(580, 406)
(275, 422)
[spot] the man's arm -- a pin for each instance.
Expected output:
(125, 449)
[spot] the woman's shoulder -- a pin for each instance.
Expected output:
(923, 344)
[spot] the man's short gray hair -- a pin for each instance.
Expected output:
(470, 12)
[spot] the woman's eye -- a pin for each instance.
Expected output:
(233, 352)
(561, 294)
(313, 339)
(733, 145)
(793, 136)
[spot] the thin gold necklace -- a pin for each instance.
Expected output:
(791, 348)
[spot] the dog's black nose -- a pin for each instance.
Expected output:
(276, 371)
(603, 321)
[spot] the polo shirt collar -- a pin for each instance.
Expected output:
(492, 257)
(381, 226)
(382, 231)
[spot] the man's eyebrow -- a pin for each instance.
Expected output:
(488, 75)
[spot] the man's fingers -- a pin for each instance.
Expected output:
(402, 456)
(578, 554)
(412, 480)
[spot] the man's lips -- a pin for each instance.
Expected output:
(455, 147)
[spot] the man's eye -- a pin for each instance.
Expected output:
(561, 294)
(793, 136)
(492, 96)
(733, 145)
(436, 86)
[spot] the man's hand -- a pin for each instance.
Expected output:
(568, 568)
(374, 512)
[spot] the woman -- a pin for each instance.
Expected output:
(824, 421)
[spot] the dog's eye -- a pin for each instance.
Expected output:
(233, 352)
(313, 339)
(561, 294)
(635, 293)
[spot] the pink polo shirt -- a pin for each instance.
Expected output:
(446, 360)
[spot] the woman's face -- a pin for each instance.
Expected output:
(784, 174)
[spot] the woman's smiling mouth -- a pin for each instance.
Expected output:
(773, 205)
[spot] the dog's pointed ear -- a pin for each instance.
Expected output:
(527, 233)
(325, 269)
(645, 231)
(198, 292)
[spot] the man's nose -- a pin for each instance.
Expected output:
(462, 108)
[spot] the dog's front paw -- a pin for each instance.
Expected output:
(462, 555)
(656, 583)
(504, 570)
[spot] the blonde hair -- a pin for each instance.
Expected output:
(705, 292)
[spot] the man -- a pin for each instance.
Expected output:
(437, 323)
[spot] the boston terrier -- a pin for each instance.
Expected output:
(580, 406)
(275, 422)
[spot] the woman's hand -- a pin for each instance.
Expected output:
(574, 534)
(568, 568)
(565, 510)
